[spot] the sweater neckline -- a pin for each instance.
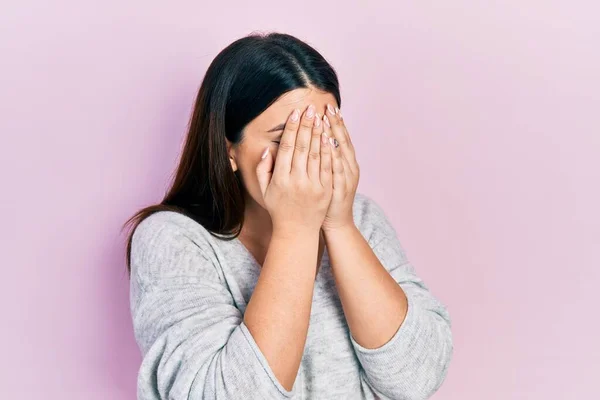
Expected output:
(247, 252)
(255, 262)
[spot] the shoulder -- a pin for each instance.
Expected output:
(168, 244)
(165, 229)
(371, 219)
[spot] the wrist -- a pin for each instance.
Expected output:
(293, 232)
(340, 230)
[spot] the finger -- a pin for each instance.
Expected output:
(299, 161)
(350, 163)
(339, 178)
(327, 127)
(338, 112)
(326, 160)
(330, 143)
(351, 178)
(350, 172)
(263, 170)
(285, 153)
(341, 134)
(314, 154)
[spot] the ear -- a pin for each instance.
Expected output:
(231, 155)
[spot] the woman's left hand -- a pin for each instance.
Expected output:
(345, 172)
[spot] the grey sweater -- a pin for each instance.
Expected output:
(189, 291)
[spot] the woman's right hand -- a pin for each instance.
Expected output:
(298, 193)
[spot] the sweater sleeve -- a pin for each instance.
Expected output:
(414, 362)
(194, 342)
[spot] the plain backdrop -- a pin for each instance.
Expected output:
(477, 128)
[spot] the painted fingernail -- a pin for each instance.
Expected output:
(317, 120)
(264, 154)
(310, 112)
(324, 138)
(295, 115)
(326, 121)
(330, 109)
(337, 110)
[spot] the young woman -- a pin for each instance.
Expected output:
(263, 274)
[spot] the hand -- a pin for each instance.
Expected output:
(346, 172)
(300, 189)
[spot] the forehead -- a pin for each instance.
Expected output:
(301, 98)
(297, 98)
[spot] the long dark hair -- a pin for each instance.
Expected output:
(242, 81)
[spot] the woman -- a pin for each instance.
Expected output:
(263, 274)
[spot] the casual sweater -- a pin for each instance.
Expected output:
(189, 291)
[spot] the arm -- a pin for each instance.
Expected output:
(280, 327)
(400, 332)
(195, 341)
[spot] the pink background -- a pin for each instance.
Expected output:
(477, 126)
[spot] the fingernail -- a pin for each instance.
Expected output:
(324, 138)
(310, 112)
(326, 121)
(330, 109)
(295, 115)
(264, 154)
(317, 120)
